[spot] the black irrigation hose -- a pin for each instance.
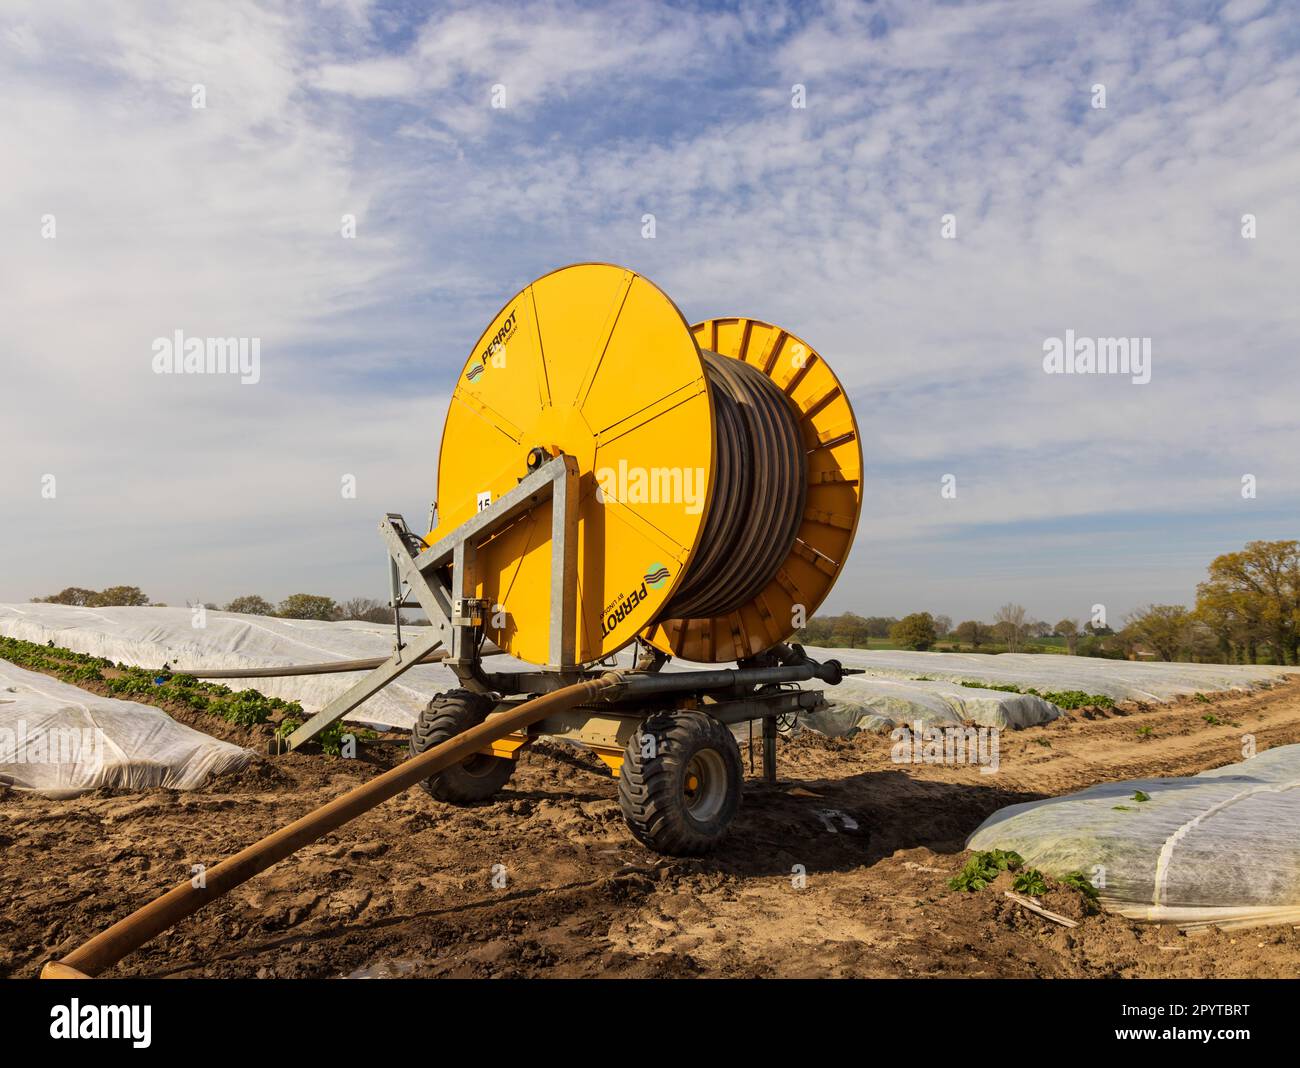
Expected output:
(759, 492)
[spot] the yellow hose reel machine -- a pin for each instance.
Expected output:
(610, 474)
(719, 464)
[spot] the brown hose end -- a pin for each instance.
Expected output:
(56, 969)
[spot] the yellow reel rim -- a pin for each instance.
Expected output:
(593, 360)
(834, 502)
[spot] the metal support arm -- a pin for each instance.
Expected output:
(452, 624)
(398, 664)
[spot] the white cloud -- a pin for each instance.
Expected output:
(536, 53)
(1243, 10)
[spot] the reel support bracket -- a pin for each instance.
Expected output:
(425, 574)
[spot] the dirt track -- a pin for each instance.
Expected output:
(407, 889)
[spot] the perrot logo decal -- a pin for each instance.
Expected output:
(495, 351)
(655, 578)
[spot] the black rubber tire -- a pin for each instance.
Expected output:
(476, 778)
(661, 810)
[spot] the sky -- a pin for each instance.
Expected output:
(950, 197)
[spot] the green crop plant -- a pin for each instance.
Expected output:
(1076, 880)
(1030, 881)
(1066, 699)
(1069, 699)
(982, 868)
(330, 739)
(1004, 687)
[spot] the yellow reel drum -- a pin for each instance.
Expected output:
(715, 511)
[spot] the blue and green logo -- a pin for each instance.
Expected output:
(656, 576)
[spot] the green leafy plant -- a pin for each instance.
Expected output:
(1201, 698)
(1138, 795)
(1031, 881)
(982, 868)
(1212, 719)
(331, 738)
(1076, 880)
(1069, 699)
(1066, 699)
(1004, 687)
(1146, 732)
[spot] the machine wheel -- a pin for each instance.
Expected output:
(682, 799)
(475, 778)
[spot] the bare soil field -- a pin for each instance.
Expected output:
(408, 889)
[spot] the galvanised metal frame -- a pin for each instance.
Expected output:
(454, 613)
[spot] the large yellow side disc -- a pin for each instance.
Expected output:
(595, 361)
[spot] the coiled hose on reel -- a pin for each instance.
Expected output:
(759, 492)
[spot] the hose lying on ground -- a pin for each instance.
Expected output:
(129, 934)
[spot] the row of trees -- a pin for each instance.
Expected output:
(295, 606)
(313, 606)
(1011, 628)
(1247, 609)
(112, 597)
(852, 631)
